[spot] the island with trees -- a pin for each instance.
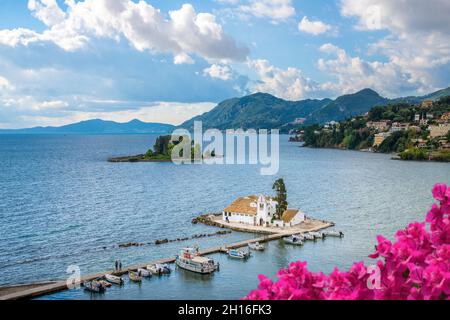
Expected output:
(162, 151)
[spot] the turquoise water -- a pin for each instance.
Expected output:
(62, 204)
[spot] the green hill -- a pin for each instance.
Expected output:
(347, 106)
(264, 111)
(260, 110)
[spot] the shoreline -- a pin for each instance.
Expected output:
(136, 158)
(394, 156)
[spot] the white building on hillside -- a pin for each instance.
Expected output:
(260, 211)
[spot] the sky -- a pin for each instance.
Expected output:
(63, 61)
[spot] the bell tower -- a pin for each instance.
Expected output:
(263, 209)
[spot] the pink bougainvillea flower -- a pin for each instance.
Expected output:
(435, 213)
(415, 267)
(439, 191)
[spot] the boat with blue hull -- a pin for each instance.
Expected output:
(238, 254)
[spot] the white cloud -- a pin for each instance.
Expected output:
(184, 32)
(418, 44)
(354, 73)
(288, 84)
(220, 72)
(19, 36)
(47, 11)
(183, 58)
(313, 27)
(276, 10)
(399, 16)
(50, 105)
(5, 84)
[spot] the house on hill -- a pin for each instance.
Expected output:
(260, 211)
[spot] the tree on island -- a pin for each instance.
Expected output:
(162, 149)
(162, 145)
(281, 198)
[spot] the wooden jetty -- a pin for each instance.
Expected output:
(30, 291)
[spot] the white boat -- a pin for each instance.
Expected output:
(317, 235)
(337, 234)
(295, 240)
(159, 269)
(190, 260)
(301, 236)
(113, 279)
(238, 254)
(144, 273)
(256, 246)
(308, 236)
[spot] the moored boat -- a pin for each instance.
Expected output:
(144, 273)
(295, 240)
(159, 269)
(104, 283)
(309, 236)
(317, 235)
(256, 246)
(93, 286)
(134, 276)
(336, 234)
(238, 254)
(113, 279)
(190, 260)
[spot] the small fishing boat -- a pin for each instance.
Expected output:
(189, 259)
(309, 236)
(93, 286)
(336, 234)
(113, 279)
(144, 273)
(301, 236)
(238, 254)
(295, 240)
(134, 276)
(317, 235)
(256, 246)
(104, 283)
(159, 269)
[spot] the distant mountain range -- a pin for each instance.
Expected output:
(262, 110)
(258, 111)
(98, 127)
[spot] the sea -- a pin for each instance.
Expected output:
(62, 205)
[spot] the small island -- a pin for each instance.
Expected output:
(264, 214)
(162, 152)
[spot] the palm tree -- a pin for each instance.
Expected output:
(281, 197)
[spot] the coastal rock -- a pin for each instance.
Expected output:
(158, 242)
(131, 244)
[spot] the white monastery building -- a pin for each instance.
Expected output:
(260, 211)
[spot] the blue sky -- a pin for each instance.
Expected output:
(166, 61)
